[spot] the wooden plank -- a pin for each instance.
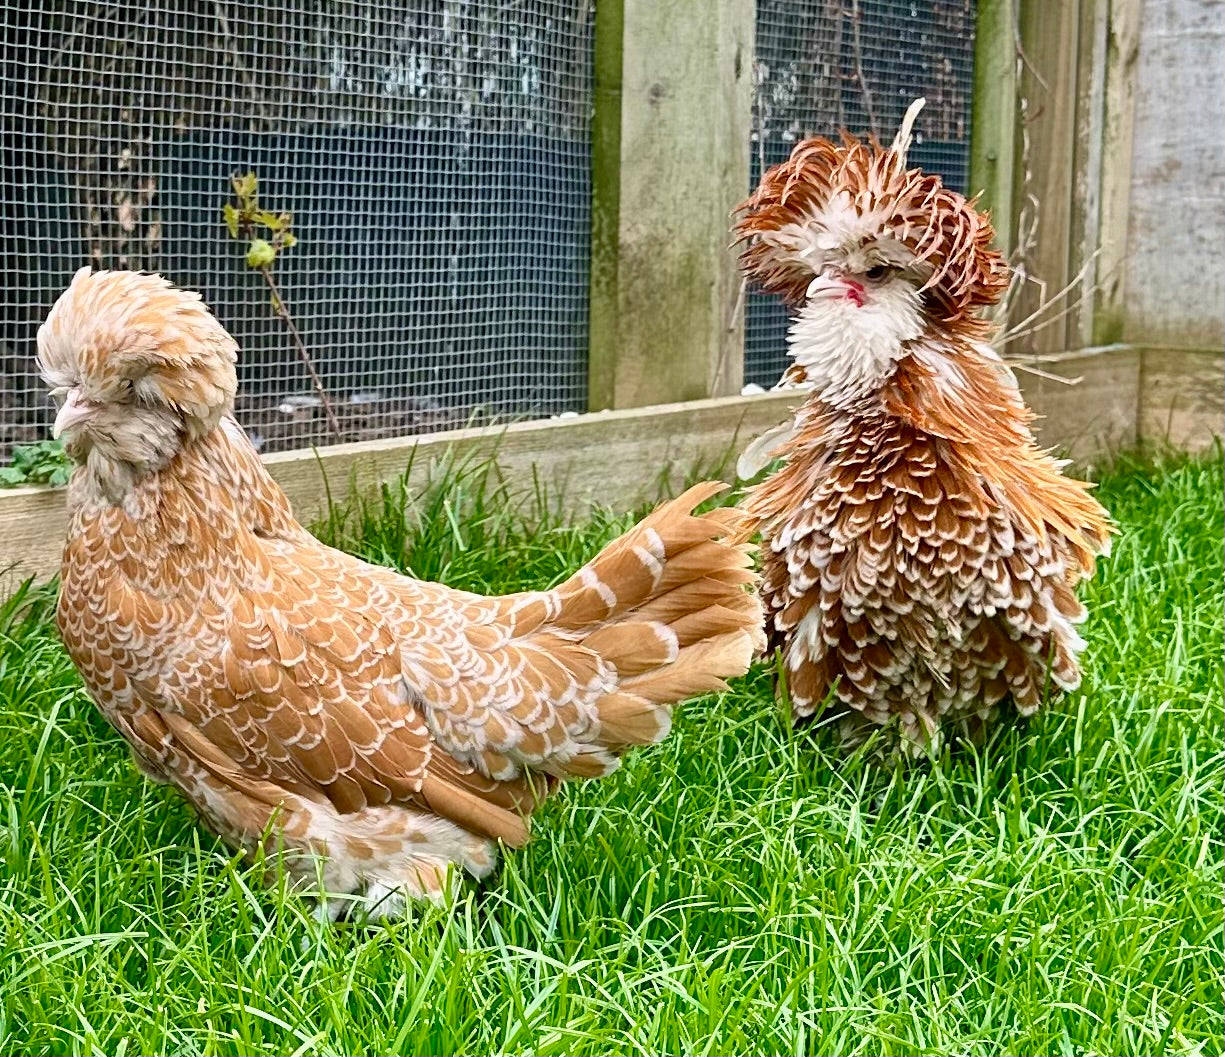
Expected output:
(1050, 37)
(670, 160)
(1182, 396)
(1175, 293)
(604, 322)
(613, 458)
(1084, 220)
(33, 525)
(737, 29)
(1122, 52)
(1095, 417)
(993, 126)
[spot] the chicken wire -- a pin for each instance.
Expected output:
(434, 153)
(825, 65)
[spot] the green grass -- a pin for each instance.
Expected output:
(737, 889)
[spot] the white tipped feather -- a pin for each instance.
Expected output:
(903, 139)
(757, 456)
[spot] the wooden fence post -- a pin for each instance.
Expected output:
(1046, 177)
(1073, 178)
(994, 116)
(1121, 59)
(670, 158)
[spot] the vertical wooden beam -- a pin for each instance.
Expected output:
(1122, 55)
(1046, 164)
(673, 95)
(993, 126)
(603, 298)
(1077, 99)
(1175, 287)
(1084, 235)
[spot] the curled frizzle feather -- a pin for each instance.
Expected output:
(760, 452)
(905, 133)
(938, 226)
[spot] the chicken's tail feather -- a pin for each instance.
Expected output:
(670, 606)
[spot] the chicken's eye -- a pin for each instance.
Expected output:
(877, 271)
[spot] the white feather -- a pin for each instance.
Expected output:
(758, 455)
(904, 137)
(848, 352)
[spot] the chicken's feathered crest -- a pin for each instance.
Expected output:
(848, 194)
(114, 328)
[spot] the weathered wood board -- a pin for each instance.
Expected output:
(1176, 217)
(1182, 396)
(673, 85)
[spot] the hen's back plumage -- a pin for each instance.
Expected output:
(385, 726)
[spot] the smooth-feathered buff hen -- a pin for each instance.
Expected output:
(920, 553)
(375, 726)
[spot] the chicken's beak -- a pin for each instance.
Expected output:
(74, 411)
(821, 284)
(824, 284)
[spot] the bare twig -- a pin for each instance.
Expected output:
(759, 78)
(278, 306)
(721, 365)
(1037, 372)
(1072, 306)
(1029, 213)
(1028, 217)
(742, 292)
(738, 307)
(1023, 59)
(863, 81)
(1045, 304)
(242, 223)
(761, 108)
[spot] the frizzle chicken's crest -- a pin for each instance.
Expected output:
(829, 197)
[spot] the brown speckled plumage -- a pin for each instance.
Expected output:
(393, 727)
(921, 554)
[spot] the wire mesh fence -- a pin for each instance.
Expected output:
(436, 157)
(434, 153)
(825, 65)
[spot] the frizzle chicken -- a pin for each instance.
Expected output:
(378, 727)
(920, 553)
